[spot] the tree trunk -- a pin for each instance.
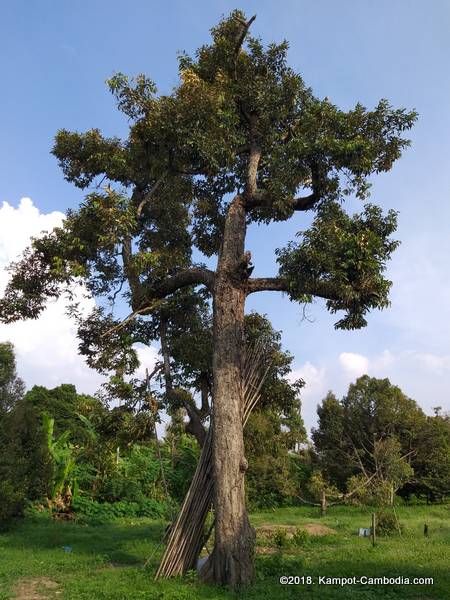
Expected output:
(231, 562)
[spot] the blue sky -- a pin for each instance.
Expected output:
(55, 58)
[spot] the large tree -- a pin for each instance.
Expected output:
(239, 140)
(356, 433)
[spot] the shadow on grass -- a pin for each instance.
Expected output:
(123, 542)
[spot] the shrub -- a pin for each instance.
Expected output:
(387, 523)
(280, 538)
(301, 537)
(93, 511)
(134, 478)
(12, 501)
(181, 467)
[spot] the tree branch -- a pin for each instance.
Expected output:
(245, 26)
(252, 170)
(149, 195)
(266, 284)
(305, 202)
(130, 273)
(262, 198)
(320, 289)
(182, 279)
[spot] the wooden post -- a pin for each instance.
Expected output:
(323, 504)
(373, 529)
(425, 530)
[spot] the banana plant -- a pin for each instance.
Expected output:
(60, 450)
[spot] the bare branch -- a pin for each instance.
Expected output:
(305, 202)
(266, 284)
(143, 311)
(149, 195)
(241, 35)
(182, 279)
(171, 284)
(320, 289)
(261, 198)
(130, 272)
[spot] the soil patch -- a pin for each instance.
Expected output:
(317, 529)
(38, 588)
(265, 531)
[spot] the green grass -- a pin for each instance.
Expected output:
(106, 561)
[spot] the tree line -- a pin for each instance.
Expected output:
(85, 457)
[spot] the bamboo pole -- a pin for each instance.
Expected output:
(186, 536)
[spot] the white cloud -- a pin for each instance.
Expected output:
(148, 357)
(315, 388)
(382, 362)
(434, 362)
(47, 348)
(353, 364)
(422, 376)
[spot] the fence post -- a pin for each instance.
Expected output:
(373, 529)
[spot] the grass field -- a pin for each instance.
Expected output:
(106, 561)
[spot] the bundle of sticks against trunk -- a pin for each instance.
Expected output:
(186, 536)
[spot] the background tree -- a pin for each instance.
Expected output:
(330, 443)
(377, 429)
(390, 471)
(12, 387)
(64, 406)
(25, 467)
(240, 140)
(431, 462)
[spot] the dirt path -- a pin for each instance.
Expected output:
(37, 588)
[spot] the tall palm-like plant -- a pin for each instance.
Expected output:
(63, 484)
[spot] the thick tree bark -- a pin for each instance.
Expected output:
(231, 562)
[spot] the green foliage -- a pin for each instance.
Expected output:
(12, 501)
(275, 427)
(329, 440)
(387, 523)
(180, 467)
(25, 465)
(363, 428)
(91, 511)
(62, 457)
(280, 538)
(431, 461)
(11, 386)
(136, 476)
(268, 475)
(64, 405)
(300, 537)
(318, 486)
(349, 254)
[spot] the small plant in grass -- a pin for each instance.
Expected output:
(301, 537)
(280, 538)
